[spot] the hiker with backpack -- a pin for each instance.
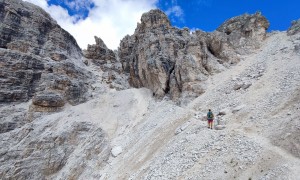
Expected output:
(210, 118)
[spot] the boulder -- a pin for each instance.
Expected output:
(242, 85)
(204, 117)
(58, 56)
(177, 131)
(246, 85)
(224, 111)
(116, 151)
(48, 99)
(238, 85)
(220, 127)
(238, 108)
(182, 127)
(220, 120)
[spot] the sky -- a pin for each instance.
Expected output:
(111, 20)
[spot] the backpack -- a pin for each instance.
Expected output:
(210, 115)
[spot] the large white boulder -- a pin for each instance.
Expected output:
(116, 151)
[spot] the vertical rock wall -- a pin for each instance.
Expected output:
(29, 29)
(38, 58)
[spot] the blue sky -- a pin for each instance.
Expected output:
(111, 20)
(209, 14)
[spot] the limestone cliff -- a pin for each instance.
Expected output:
(38, 58)
(175, 61)
(109, 63)
(29, 29)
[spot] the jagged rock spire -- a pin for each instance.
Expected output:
(154, 19)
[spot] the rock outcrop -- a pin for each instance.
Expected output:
(48, 100)
(245, 32)
(99, 52)
(109, 63)
(295, 28)
(38, 57)
(175, 61)
(29, 29)
(20, 75)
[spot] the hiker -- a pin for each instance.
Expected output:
(210, 119)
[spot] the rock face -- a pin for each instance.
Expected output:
(109, 63)
(98, 52)
(38, 57)
(12, 118)
(295, 28)
(175, 61)
(20, 75)
(29, 29)
(245, 32)
(41, 61)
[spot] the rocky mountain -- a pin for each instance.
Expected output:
(175, 61)
(139, 112)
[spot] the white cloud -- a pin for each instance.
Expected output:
(110, 20)
(175, 11)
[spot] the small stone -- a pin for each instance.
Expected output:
(238, 85)
(178, 130)
(184, 126)
(218, 148)
(116, 151)
(224, 112)
(246, 85)
(204, 117)
(219, 127)
(238, 108)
